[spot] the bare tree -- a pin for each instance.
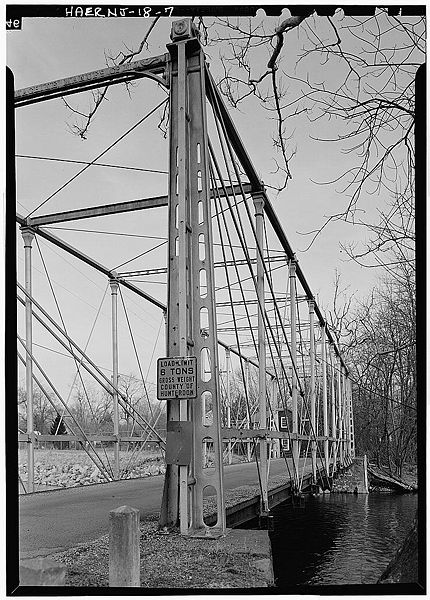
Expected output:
(80, 126)
(43, 412)
(382, 358)
(354, 73)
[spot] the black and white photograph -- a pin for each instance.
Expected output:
(215, 357)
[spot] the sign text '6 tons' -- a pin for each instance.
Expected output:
(177, 377)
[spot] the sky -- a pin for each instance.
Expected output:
(49, 49)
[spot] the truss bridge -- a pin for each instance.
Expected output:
(249, 373)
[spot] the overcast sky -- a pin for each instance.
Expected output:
(49, 49)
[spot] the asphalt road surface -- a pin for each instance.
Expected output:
(57, 520)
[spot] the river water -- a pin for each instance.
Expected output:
(339, 539)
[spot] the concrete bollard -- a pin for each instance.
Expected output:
(41, 571)
(124, 551)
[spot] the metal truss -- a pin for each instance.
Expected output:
(318, 393)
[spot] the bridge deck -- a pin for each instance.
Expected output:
(61, 519)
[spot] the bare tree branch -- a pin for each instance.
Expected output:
(81, 129)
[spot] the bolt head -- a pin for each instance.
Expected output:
(180, 29)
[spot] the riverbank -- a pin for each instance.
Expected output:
(375, 480)
(403, 568)
(54, 468)
(241, 559)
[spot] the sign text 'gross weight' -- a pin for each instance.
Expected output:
(177, 377)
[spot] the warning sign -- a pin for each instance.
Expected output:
(177, 377)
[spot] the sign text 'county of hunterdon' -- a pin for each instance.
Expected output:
(177, 377)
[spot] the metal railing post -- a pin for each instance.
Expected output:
(28, 236)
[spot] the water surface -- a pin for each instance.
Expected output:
(339, 539)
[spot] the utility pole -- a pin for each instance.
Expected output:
(191, 294)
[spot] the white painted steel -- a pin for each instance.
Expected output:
(28, 236)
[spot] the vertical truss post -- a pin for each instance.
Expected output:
(342, 416)
(333, 407)
(276, 451)
(191, 290)
(346, 417)
(259, 228)
(324, 395)
(248, 410)
(228, 407)
(114, 294)
(339, 409)
(312, 389)
(351, 421)
(27, 236)
(295, 418)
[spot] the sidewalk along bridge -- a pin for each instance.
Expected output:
(251, 367)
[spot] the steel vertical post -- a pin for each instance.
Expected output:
(28, 236)
(312, 391)
(228, 407)
(343, 415)
(183, 258)
(333, 407)
(248, 411)
(114, 295)
(259, 227)
(339, 408)
(324, 395)
(274, 403)
(351, 420)
(191, 289)
(295, 418)
(347, 425)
